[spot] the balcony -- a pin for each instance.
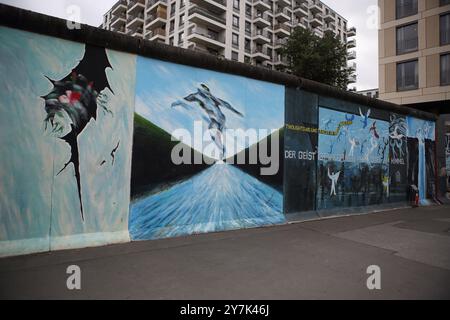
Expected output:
(135, 32)
(351, 32)
(352, 78)
(213, 52)
(282, 15)
(204, 17)
(301, 10)
(316, 22)
(119, 21)
(120, 8)
(260, 54)
(282, 30)
(120, 29)
(261, 37)
(352, 66)
(156, 20)
(261, 20)
(135, 7)
(318, 32)
(330, 27)
(206, 39)
(216, 6)
(329, 17)
(135, 21)
(351, 43)
(280, 43)
(283, 3)
(153, 5)
(300, 23)
(262, 5)
(315, 8)
(351, 55)
(280, 61)
(156, 34)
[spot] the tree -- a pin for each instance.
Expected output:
(319, 59)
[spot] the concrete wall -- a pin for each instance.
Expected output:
(90, 121)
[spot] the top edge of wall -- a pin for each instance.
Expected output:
(43, 24)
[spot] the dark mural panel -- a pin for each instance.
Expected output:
(300, 151)
(430, 167)
(398, 158)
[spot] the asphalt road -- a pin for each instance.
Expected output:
(325, 259)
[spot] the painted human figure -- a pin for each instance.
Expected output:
(352, 146)
(212, 106)
(334, 177)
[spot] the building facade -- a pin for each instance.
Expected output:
(249, 31)
(414, 53)
(371, 93)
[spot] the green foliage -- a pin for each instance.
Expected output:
(319, 59)
(152, 165)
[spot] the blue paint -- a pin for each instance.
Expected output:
(421, 130)
(220, 198)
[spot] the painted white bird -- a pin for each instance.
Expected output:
(365, 118)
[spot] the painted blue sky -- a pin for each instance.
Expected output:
(159, 84)
(366, 147)
(418, 126)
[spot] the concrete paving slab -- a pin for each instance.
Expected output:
(283, 262)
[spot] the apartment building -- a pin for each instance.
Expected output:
(250, 31)
(371, 93)
(414, 53)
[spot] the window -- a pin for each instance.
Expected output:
(236, 4)
(235, 39)
(212, 34)
(181, 19)
(248, 10)
(247, 45)
(444, 2)
(408, 75)
(248, 27)
(235, 21)
(234, 56)
(445, 29)
(445, 69)
(407, 38)
(405, 8)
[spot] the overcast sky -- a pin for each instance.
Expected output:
(358, 12)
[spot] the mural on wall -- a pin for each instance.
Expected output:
(447, 153)
(353, 166)
(192, 119)
(72, 103)
(300, 151)
(421, 171)
(398, 154)
(67, 149)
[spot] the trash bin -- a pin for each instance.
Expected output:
(414, 195)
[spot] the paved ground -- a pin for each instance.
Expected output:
(311, 260)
